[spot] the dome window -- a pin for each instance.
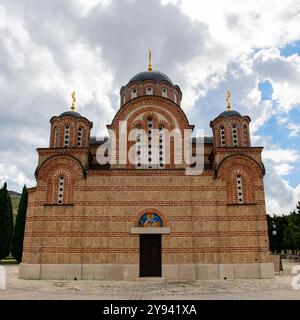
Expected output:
(165, 93)
(79, 137)
(133, 93)
(175, 98)
(67, 136)
(149, 91)
(55, 137)
(246, 136)
(222, 133)
(234, 135)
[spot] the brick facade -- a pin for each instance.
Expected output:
(88, 235)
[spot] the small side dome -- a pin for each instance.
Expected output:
(230, 113)
(71, 113)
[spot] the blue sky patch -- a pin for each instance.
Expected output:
(290, 49)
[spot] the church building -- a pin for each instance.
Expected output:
(134, 205)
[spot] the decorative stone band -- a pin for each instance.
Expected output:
(131, 271)
(143, 230)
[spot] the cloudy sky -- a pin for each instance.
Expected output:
(50, 48)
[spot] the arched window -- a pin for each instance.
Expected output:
(161, 147)
(150, 220)
(124, 98)
(60, 193)
(55, 137)
(239, 189)
(149, 91)
(234, 135)
(165, 93)
(133, 93)
(222, 133)
(246, 140)
(138, 144)
(79, 137)
(175, 98)
(67, 136)
(150, 145)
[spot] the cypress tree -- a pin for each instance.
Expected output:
(17, 245)
(6, 222)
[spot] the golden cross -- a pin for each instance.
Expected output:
(149, 62)
(228, 100)
(73, 101)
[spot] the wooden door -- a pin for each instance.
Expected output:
(150, 255)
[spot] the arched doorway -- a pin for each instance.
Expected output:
(150, 246)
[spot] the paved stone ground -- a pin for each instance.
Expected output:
(278, 288)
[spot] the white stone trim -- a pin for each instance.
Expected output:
(142, 230)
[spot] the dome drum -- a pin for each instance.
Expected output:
(150, 83)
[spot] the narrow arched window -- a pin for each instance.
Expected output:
(161, 147)
(133, 93)
(165, 93)
(150, 146)
(234, 135)
(138, 147)
(79, 137)
(60, 193)
(175, 98)
(246, 140)
(239, 189)
(67, 136)
(149, 91)
(222, 136)
(55, 137)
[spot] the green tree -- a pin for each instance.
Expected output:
(277, 224)
(294, 225)
(6, 222)
(17, 245)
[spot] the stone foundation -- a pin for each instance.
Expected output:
(131, 272)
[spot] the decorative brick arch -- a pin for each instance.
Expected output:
(50, 172)
(151, 111)
(73, 163)
(220, 170)
(144, 101)
(154, 210)
(250, 172)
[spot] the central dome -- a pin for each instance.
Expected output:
(151, 75)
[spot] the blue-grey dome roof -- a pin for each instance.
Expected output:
(230, 113)
(71, 113)
(151, 75)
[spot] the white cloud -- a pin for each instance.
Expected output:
(281, 197)
(294, 129)
(280, 155)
